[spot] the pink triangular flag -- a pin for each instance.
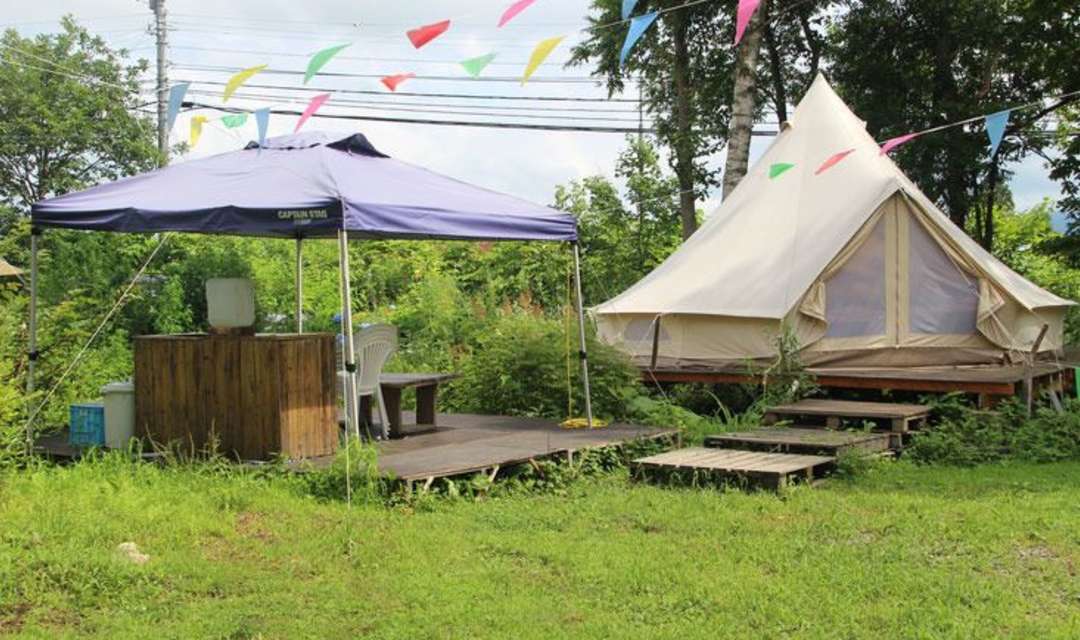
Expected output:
(893, 143)
(833, 159)
(515, 9)
(313, 106)
(392, 82)
(742, 16)
(425, 34)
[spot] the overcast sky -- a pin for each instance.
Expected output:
(529, 164)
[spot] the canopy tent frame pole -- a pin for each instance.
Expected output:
(32, 355)
(583, 353)
(299, 284)
(351, 401)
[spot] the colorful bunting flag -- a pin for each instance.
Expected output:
(196, 129)
(628, 8)
(995, 129)
(638, 26)
(743, 15)
(319, 60)
(474, 66)
(832, 160)
(235, 120)
(425, 34)
(778, 168)
(893, 143)
(392, 82)
(539, 54)
(262, 120)
(316, 103)
(513, 10)
(239, 79)
(176, 100)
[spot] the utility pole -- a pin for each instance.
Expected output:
(162, 78)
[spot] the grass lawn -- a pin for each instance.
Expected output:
(901, 552)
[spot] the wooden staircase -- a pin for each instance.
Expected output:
(775, 456)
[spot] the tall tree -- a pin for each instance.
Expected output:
(743, 103)
(908, 65)
(682, 66)
(69, 115)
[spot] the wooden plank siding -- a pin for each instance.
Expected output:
(256, 395)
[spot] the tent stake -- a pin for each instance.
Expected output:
(299, 285)
(351, 401)
(581, 333)
(32, 356)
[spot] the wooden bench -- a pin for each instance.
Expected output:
(901, 418)
(427, 393)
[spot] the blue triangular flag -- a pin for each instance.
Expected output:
(628, 8)
(995, 128)
(176, 100)
(262, 119)
(638, 25)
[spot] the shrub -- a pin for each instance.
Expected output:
(520, 366)
(965, 436)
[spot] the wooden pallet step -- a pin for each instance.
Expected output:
(773, 470)
(803, 440)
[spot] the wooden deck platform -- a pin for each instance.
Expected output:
(901, 417)
(984, 380)
(464, 444)
(698, 465)
(823, 442)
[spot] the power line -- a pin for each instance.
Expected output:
(453, 123)
(459, 112)
(286, 54)
(401, 103)
(462, 96)
(377, 76)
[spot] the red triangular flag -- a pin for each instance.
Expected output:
(392, 82)
(425, 34)
(833, 159)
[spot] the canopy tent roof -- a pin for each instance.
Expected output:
(757, 255)
(304, 185)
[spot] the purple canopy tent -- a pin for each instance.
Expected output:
(308, 185)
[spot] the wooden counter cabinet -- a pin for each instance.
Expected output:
(257, 395)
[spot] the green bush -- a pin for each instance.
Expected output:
(520, 365)
(965, 436)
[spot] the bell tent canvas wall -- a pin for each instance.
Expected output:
(860, 265)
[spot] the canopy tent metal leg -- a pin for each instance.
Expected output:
(32, 356)
(352, 403)
(299, 285)
(581, 333)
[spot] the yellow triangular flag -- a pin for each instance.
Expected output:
(539, 54)
(196, 129)
(239, 79)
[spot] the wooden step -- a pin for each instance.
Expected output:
(802, 440)
(899, 418)
(745, 468)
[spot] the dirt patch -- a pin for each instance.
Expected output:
(12, 618)
(250, 525)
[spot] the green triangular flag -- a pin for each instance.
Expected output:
(778, 168)
(319, 60)
(235, 120)
(474, 66)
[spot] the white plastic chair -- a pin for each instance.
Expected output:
(374, 345)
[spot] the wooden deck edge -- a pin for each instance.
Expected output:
(674, 434)
(841, 382)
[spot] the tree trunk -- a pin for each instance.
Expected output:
(987, 235)
(742, 103)
(684, 141)
(776, 69)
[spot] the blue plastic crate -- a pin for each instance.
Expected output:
(87, 425)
